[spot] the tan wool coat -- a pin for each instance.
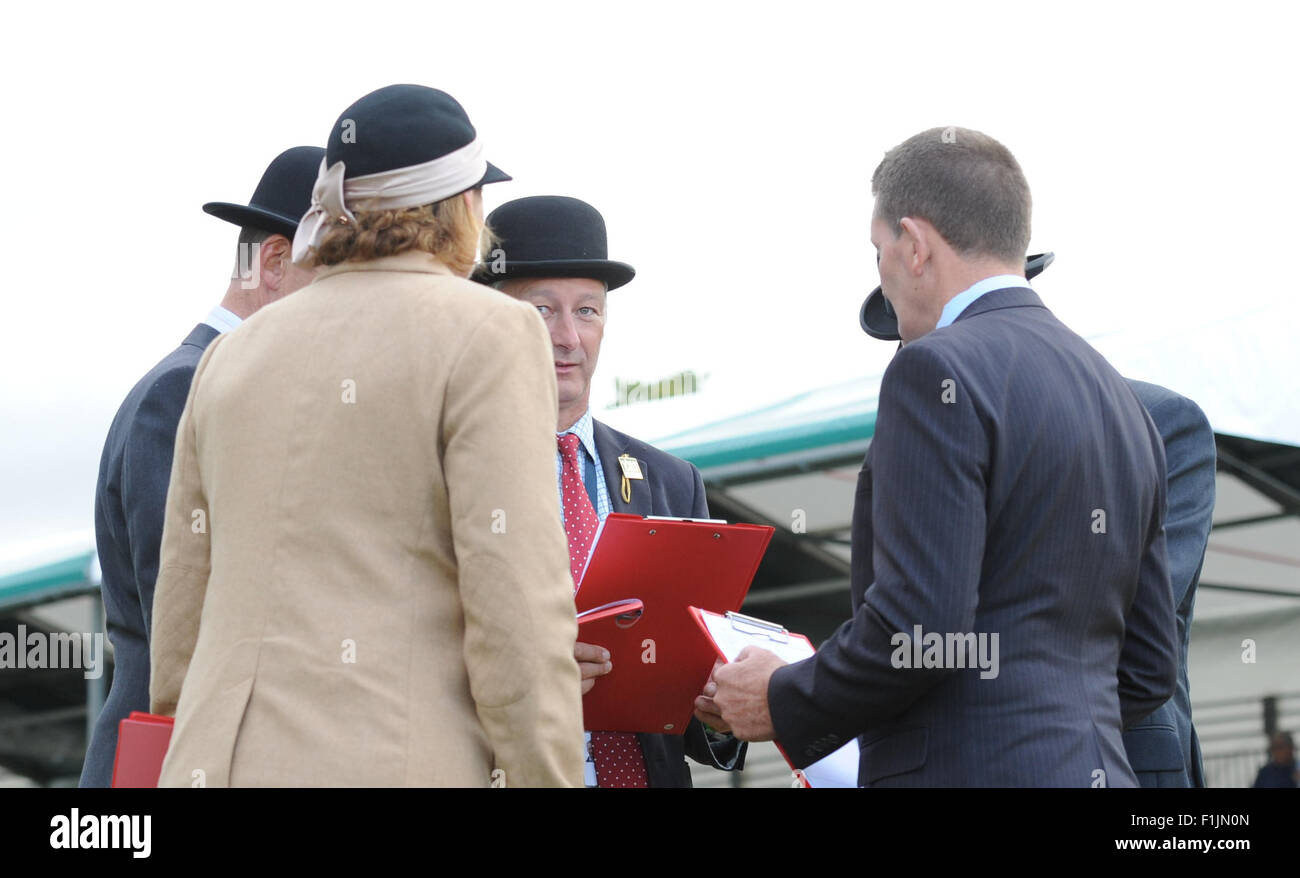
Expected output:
(364, 578)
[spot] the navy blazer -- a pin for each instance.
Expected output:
(671, 487)
(130, 498)
(1163, 748)
(1014, 486)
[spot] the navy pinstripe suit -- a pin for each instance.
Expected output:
(1014, 486)
(1163, 748)
(134, 471)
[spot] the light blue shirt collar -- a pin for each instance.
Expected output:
(962, 300)
(585, 432)
(222, 319)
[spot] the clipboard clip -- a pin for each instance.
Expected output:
(758, 627)
(634, 611)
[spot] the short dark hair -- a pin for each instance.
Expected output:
(965, 184)
(253, 235)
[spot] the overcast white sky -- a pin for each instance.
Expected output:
(729, 146)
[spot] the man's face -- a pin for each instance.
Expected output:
(906, 276)
(574, 312)
(894, 280)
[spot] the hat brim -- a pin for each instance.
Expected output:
(877, 318)
(245, 216)
(613, 274)
(493, 175)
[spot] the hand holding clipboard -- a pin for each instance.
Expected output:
(730, 634)
(660, 663)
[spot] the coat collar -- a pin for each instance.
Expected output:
(610, 444)
(1008, 297)
(200, 336)
(411, 260)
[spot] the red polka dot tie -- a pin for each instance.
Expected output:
(618, 757)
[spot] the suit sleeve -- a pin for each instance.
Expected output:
(498, 434)
(719, 750)
(146, 473)
(1148, 661)
(184, 563)
(929, 468)
(1190, 461)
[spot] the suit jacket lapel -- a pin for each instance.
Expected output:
(609, 449)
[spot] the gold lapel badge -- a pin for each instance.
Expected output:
(631, 470)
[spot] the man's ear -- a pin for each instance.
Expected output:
(917, 238)
(273, 259)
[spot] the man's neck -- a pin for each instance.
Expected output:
(966, 274)
(239, 301)
(570, 416)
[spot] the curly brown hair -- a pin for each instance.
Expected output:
(446, 229)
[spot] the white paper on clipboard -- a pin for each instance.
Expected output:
(733, 632)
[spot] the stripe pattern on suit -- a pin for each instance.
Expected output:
(130, 496)
(1163, 748)
(1014, 486)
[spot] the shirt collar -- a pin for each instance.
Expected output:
(222, 319)
(584, 430)
(960, 302)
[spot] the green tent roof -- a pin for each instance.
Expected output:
(57, 579)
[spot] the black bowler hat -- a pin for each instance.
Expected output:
(877, 316)
(281, 197)
(401, 126)
(399, 146)
(551, 236)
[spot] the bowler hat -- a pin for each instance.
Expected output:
(551, 236)
(877, 316)
(281, 197)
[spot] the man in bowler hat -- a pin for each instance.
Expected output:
(553, 254)
(137, 457)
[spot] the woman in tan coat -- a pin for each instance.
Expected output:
(364, 578)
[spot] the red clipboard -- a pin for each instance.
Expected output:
(660, 662)
(142, 740)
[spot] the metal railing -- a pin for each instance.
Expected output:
(1234, 734)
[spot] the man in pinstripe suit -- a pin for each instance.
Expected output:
(1014, 487)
